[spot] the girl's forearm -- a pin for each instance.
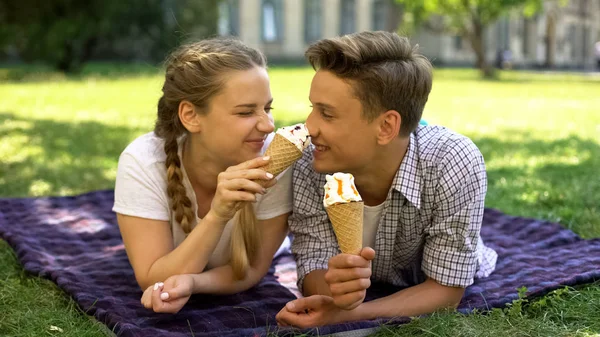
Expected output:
(192, 255)
(221, 281)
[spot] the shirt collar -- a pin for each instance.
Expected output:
(408, 178)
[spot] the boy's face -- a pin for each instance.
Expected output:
(344, 141)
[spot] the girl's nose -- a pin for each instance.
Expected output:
(265, 123)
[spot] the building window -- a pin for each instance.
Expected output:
(348, 17)
(572, 40)
(229, 18)
(526, 32)
(458, 42)
(272, 20)
(313, 19)
(379, 15)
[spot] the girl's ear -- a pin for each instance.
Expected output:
(189, 117)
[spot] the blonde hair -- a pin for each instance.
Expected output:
(385, 72)
(194, 72)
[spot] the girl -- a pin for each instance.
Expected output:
(192, 214)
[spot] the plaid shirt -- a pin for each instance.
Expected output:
(431, 219)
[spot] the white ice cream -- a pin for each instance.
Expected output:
(340, 189)
(297, 134)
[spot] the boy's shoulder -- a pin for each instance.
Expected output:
(436, 144)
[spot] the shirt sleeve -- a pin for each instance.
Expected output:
(314, 241)
(450, 253)
(140, 190)
(278, 199)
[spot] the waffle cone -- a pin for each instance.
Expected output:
(347, 222)
(283, 154)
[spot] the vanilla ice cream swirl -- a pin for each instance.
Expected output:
(340, 189)
(297, 134)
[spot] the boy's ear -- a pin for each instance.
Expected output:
(189, 117)
(389, 126)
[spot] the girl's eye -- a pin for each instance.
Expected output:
(246, 113)
(269, 109)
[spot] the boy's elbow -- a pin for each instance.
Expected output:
(454, 297)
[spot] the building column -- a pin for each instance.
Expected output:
(293, 36)
(331, 18)
(364, 15)
(250, 31)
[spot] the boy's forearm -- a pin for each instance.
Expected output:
(423, 298)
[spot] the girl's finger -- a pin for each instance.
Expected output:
(252, 163)
(242, 185)
(251, 174)
(157, 303)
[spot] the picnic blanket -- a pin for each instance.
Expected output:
(75, 242)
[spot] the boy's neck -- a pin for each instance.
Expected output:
(375, 181)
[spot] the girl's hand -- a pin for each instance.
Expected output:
(170, 296)
(240, 184)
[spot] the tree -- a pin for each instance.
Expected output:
(467, 18)
(65, 33)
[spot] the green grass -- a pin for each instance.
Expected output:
(539, 134)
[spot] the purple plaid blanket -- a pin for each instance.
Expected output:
(75, 242)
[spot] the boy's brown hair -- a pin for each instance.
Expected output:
(384, 70)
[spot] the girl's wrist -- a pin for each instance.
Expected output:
(216, 219)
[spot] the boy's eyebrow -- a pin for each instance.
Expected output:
(251, 105)
(324, 106)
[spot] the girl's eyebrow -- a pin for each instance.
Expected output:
(251, 105)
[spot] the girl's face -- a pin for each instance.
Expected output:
(239, 117)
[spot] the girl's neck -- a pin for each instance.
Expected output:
(202, 169)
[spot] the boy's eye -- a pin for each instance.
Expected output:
(323, 113)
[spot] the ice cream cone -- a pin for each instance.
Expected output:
(283, 154)
(347, 222)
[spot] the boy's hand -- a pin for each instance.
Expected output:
(349, 277)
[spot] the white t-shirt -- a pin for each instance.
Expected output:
(141, 191)
(371, 217)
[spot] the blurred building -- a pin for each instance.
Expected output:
(283, 29)
(559, 36)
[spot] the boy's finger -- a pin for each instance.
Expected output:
(368, 253)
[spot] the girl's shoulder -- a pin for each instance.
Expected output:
(147, 149)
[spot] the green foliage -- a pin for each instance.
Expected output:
(460, 14)
(467, 18)
(66, 33)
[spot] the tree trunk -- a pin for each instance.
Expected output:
(550, 40)
(478, 44)
(74, 58)
(67, 59)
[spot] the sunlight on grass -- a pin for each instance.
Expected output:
(39, 188)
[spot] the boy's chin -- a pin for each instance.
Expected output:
(324, 168)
